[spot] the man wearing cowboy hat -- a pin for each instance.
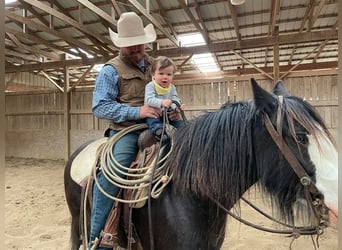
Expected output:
(119, 98)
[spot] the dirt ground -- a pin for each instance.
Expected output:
(37, 217)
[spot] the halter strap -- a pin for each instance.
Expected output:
(318, 206)
(305, 180)
(280, 115)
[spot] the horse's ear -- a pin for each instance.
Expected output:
(263, 100)
(279, 89)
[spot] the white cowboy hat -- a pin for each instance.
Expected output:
(131, 31)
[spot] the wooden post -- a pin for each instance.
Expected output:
(276, 74)
(340, 113)
(66, 102)
(2, 117)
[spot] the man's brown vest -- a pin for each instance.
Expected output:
(132, 82)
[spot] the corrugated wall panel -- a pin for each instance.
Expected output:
(35, 121)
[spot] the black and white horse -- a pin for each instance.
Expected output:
(220, 155)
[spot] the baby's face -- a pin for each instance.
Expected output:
(164, 76)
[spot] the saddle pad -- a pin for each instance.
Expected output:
(82, 165)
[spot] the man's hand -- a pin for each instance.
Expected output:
(175, 115)
(150, 112)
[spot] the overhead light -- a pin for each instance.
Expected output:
(205, 63)
(10, 1)
(237, 2)
(194, 39)
(71, 56)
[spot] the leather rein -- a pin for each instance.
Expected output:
(313, 196)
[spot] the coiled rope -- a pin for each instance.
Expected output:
(137, 178)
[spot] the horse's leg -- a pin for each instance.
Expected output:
(73, 198)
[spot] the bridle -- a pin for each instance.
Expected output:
(313, 196)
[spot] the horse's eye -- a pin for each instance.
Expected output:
(302, 139)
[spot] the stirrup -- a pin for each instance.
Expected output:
(109, 240)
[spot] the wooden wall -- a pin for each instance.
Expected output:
(22, 80)
(320, 91)
(41, 113)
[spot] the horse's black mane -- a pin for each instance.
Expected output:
(210, 150)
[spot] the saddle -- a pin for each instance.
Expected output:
(118, 230)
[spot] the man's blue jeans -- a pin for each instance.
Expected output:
(124, 151)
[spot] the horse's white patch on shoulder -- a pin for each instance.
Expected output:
(84, 161)
(324, 155)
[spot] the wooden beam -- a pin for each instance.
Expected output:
(253, 65)
(308, 12)
(234, 17)
(93, 40)
(324, 43)
(116, 7)
(66, 103)
(276, 56)
(138, 6)
(266, 56)
(275, 9)
(56, 65)
(22, 56)
(74, 42)
(276, 61)
(303, 70)
(165, 18)
(3, 121)
(252, 43)
(200, 29)
(98, 11)
(214, 48)
(34, 12)
(38, 40)
(184, 62)
(339, 80)
(9, 60)
(32, 49)
(295, 66)
(321, 47)
(52, 81)
(81, 78)
(313, 19)
(101, 39)
(60, 7)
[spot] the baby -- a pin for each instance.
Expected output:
(161, 93)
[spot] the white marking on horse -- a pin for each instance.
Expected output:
(324, 155)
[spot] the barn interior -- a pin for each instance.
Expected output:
(55, 48)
